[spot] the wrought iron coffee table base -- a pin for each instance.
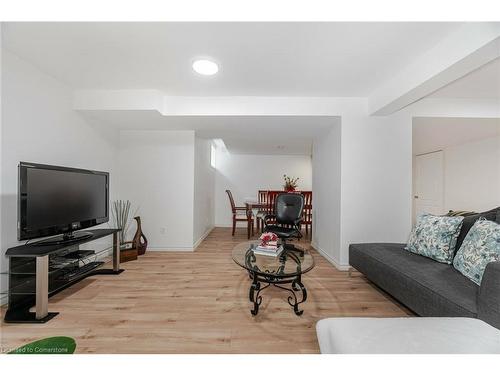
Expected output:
(295, 286)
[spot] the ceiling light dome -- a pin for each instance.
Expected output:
(205, 67)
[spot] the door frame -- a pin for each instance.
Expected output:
(414, 182)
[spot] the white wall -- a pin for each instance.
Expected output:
(244, 175)
(377, 170)
(362, 183)
(376, 180)
(326, 173)
(3, 262)
(39, 125)
(471, 154)
(204, 189)
(471, 175)
(157, 174)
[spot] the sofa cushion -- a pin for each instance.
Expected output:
(435, 237)
(469, 221)
(480, 247)
(427, 287)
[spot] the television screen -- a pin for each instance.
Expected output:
(55, 200)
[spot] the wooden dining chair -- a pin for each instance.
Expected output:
(271, 199)
(307, 212)
(259, 217)
(239, 213)
(263, 196)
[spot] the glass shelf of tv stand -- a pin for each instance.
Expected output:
(26, 283)
(29, 268)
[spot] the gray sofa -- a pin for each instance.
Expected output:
(427, 287)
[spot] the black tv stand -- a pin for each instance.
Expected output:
(65, 239)
(38, 272)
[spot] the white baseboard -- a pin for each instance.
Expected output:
(223, 225)
(161, 248)
(187, 249)
(337, 265)
(203, 236)
(239, 224)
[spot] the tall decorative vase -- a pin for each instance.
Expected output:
(140, 242)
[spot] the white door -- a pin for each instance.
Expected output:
(429, 183)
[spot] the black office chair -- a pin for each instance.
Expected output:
(286, 219)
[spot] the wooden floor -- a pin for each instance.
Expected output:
(180, 302)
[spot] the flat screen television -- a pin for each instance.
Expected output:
(55, 200)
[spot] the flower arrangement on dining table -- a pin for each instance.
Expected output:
(291, 183)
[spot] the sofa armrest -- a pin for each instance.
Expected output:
(488, 303)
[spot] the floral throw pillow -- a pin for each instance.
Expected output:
(480, 247)
(435, 237)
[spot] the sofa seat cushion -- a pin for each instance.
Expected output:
(427, 287)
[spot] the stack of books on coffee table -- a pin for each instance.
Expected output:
(271, 248)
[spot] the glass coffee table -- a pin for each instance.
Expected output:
(287, 268)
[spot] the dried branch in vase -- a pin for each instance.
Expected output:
(120, 212)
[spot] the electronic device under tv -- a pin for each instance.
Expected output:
(54, 200)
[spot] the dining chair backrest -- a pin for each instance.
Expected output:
(307, 213)
(288, 208)
(263, 196)
(231, 201)
(271, 199)
(307, 197)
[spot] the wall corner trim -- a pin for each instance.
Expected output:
(323, 253)
(203, 236)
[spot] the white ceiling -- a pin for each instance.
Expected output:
(483, 83)
(283, 135)
(264, 59)
(436, 133)
(256, 59)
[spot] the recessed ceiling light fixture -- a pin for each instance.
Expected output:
(205, 67)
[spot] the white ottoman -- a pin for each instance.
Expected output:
(407, 336)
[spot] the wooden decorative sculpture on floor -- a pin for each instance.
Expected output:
(139, 244)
